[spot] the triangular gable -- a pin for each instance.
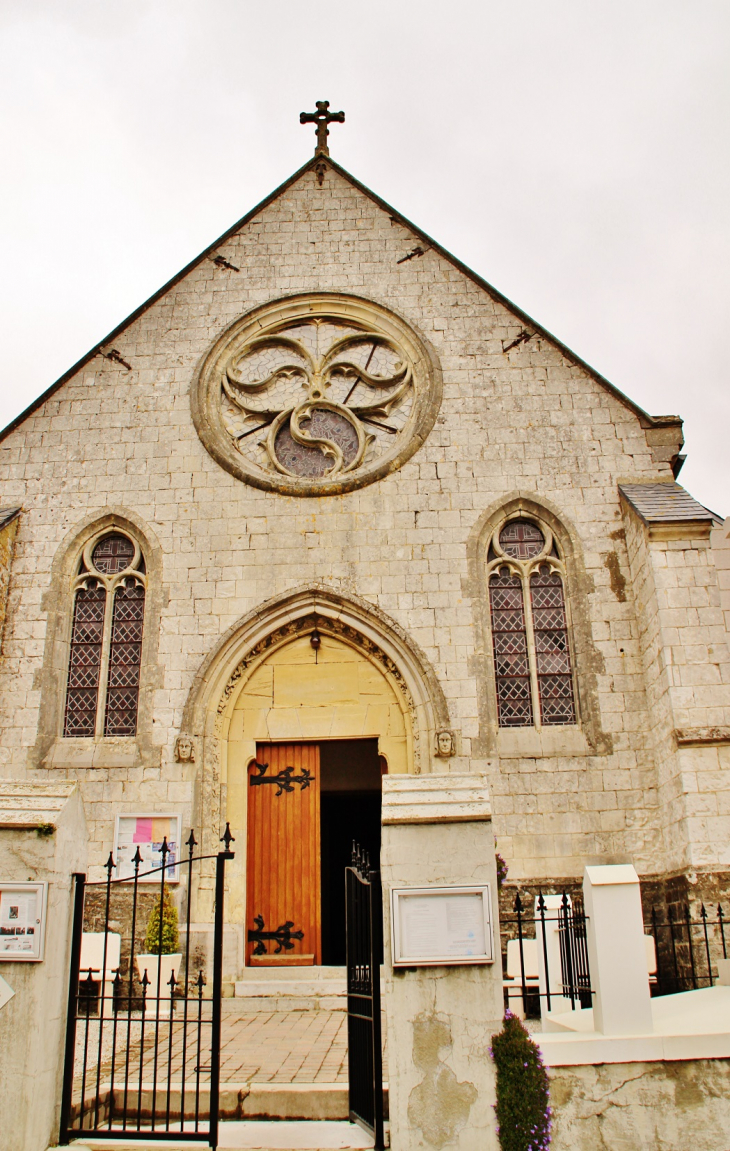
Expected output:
(646, 420)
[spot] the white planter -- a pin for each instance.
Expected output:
(168, 965)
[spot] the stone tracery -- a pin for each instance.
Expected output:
(352, 378)
(316, 395)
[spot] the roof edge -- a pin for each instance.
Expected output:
(653, 421)
(142, 308)
(650, 421)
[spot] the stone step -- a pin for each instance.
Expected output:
(251, 1004)
(290, 989)
(288, 995)
(238, 1101)
(252, 1136)
(300, 987)
(286, 973)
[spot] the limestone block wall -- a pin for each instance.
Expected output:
(528, 419)
(685, 653)
(623, 1106)
(720, 539)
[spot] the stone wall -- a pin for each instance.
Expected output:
(519, 421)
(687, 668)
(652, 1106)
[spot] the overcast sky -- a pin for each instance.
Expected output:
(573, 152)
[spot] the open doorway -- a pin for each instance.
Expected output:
(350, 802)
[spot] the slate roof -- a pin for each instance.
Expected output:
(7, 515)
(666, 503)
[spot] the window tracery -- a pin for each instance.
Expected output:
(530, 642)
(315, 395)
(102, 694)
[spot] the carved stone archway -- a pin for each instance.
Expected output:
(275, 623)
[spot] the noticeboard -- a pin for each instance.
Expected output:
(147, 832)
(441, 925)
(22, 921)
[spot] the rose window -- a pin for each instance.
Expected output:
(316, 402)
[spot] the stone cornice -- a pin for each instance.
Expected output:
(701, 736)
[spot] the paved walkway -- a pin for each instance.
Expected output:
(284, 1047)
(296, 1047)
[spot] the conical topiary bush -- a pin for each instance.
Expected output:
(523, 1091)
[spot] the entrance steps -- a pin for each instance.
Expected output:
(289, 989)
(252, 1136)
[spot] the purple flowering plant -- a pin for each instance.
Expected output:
(524, 1115)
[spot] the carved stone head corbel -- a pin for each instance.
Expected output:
(445, 743)
(184, 749)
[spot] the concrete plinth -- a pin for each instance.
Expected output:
(33, 1022)
(437, 831)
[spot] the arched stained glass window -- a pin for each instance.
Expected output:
(530, 642)
(511, 661)
(102, 695)
(552, 653)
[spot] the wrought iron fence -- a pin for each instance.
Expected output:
(683, 952)
(143, 1033)
(546, 957)
(364, 914)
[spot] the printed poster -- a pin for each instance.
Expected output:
(21, 910)
(147, 832)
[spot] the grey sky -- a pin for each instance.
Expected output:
(573, 152)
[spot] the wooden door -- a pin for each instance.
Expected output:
(283, 872)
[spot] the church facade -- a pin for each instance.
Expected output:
(328, 507)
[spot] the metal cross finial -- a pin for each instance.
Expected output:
(322, 117)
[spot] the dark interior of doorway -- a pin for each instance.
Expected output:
(350, 800)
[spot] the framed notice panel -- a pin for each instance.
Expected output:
(441, 925)
(147, 833)
(22, 921)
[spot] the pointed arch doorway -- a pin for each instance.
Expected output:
(311, 734)
(264, 683)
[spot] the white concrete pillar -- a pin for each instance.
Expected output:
(437, 832)
(616, 951)
(33, 1022)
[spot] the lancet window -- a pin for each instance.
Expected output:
(530, 640)
(102, 694)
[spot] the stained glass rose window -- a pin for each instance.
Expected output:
(316, 395)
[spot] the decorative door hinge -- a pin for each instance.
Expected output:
(283, 935)
(284, 781)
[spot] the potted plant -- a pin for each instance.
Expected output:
(161, 957)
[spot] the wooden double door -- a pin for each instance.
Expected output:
(284, 913)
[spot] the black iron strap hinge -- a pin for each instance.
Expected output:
(284, 781)
(283, 936)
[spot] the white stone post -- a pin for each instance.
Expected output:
(437, 831)
(33, 1022)
(616, 951)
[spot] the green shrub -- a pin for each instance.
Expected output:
(523, 1098)
(502, 871)
(170, 938)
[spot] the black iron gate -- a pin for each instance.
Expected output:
(144, 1024)
(364, 951)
